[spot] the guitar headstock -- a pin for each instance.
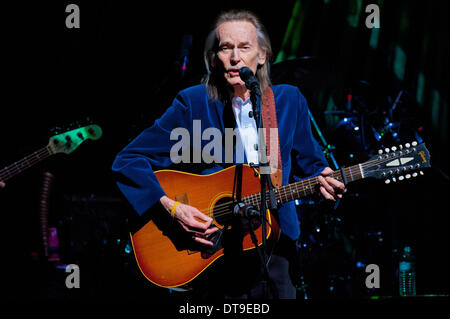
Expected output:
(398, 163)
(68, 141)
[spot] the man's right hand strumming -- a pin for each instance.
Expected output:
(191, 219)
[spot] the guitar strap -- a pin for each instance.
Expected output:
(237, 185)
(269, 118)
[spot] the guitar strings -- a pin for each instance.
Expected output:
(25, 162)
(224, 209)
(14, 169)
(282, 191)
(355, 170)
(30, 160)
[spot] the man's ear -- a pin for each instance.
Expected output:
(261, 57)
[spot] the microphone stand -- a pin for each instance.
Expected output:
(265, 181)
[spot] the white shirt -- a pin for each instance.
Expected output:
(247, 129)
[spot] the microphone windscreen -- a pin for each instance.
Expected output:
(245, 73)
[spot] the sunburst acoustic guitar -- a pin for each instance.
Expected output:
(168, 257)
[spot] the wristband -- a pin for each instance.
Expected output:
(172, 212)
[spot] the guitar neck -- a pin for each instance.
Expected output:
(26, 162)
(305, 187)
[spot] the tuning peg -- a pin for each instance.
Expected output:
(394, 179)
(386, 150)
(421, 173)
(400, 178)
(380, 152)
(387, 181)
(414, 174)
(414, 143)
(393, 148)
(407, 145)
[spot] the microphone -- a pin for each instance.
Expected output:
(250, 80)
(247, 211)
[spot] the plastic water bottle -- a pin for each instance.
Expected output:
(407, 273)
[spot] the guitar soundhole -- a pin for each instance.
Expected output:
(223, 210)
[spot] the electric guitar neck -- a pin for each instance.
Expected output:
(61, 143)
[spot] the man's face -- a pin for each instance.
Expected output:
(238, 47)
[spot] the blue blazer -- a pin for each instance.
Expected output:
(150, 150)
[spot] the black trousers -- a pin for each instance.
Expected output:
(278, 285)
(241, 276)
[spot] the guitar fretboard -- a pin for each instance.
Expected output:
(305, 187)
(26, 162)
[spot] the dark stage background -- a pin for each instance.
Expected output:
(122, 68)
